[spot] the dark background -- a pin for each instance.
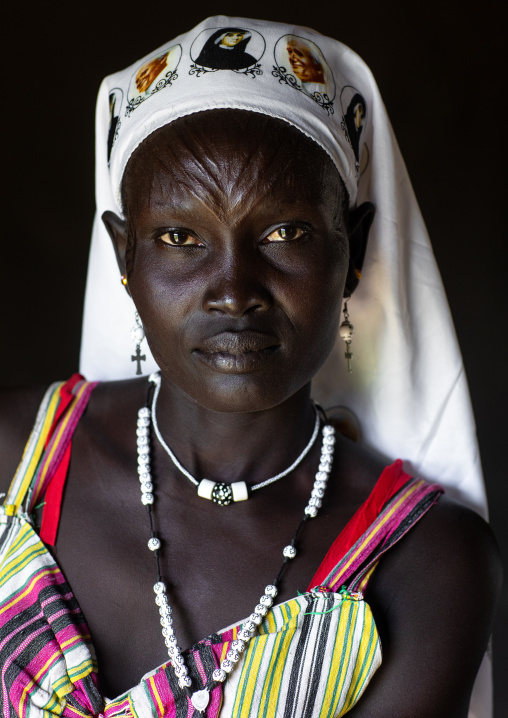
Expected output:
(441, 70)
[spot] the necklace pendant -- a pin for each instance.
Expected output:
(200, 700)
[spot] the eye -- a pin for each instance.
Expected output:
(284, 234)
(179, 238)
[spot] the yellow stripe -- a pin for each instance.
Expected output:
(20, 596)
(373, 532)
(340, 658)
(156, 694)
(277, 665)
(39, 447)
(363, 669)
(56, 439)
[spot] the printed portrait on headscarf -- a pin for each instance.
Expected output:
(354, 110)
(152, 76)
(227, 48)
(115, 102)
(301, 63)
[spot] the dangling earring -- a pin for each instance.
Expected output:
(346, 331)
(123, 279)
(137, 336)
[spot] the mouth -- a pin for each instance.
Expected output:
(237, 352)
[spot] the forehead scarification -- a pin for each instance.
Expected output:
(229, 160)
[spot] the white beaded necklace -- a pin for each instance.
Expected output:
(201, 698)
(218, 492)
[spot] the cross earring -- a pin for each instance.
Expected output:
(137, 336)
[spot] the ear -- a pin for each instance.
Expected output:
(359, 223)
(117, 230)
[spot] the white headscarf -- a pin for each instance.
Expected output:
(408, 386)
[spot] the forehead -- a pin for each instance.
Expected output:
(224, 157)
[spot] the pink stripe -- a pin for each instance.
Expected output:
(72, 415)
(341, 575)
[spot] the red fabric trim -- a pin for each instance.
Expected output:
(53, 504)
(391, 480)
(54, 492)
(66, 397)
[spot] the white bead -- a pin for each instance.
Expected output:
(227, 665)
(167, 641)
(271, 590)
(324, 467)
(137, 334)
(174, 648)
(289, 552)
(143, 440)
(233, 655)
(143, 421)
(147, 487)
(142, 431)
(169, 635)
(256, 618)
(262, 610)
(326, 450)
(146, 499)
(159, 587)
(329, 440)
(250, 626)
(178, 660)
(219, 675)
(180, 671)
(320, 485)
(328, 429)
(185, 682)
(317, 493)
(240, 491)
(144, 475)
(266, 600)
(166, 621)
(160, 599)
(243, 634)
(238, 645)
(165, 610)
(311, 511)
(346, 331)
(144, 411)
(154, 544)
(313, 501)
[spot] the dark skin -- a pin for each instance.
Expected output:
(236, 228)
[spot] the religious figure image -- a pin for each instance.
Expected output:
(305, 64)
(226, 49)
(115, 101)
(354, 116)
(152, 76)
(147, 74)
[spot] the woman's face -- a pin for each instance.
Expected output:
(231, 39)
(237, 256)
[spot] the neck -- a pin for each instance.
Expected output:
(231, 447)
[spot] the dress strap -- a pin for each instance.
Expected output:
(407, 504)
(392, 478)
(45, 461)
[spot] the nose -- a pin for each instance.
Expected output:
(236, 288)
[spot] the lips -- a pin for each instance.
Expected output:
(237, 352)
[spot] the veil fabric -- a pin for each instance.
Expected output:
(408, 387)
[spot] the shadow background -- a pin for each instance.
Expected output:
(441, 72)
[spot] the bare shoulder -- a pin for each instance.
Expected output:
(18, 409)
(434, 598)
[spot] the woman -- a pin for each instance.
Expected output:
(226, 50)
(239, 223)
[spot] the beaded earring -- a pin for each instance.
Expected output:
(346, 331)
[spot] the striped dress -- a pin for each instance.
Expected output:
(312, 657)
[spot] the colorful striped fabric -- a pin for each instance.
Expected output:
(313, 655)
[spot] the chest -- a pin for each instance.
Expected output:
(215, 560)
